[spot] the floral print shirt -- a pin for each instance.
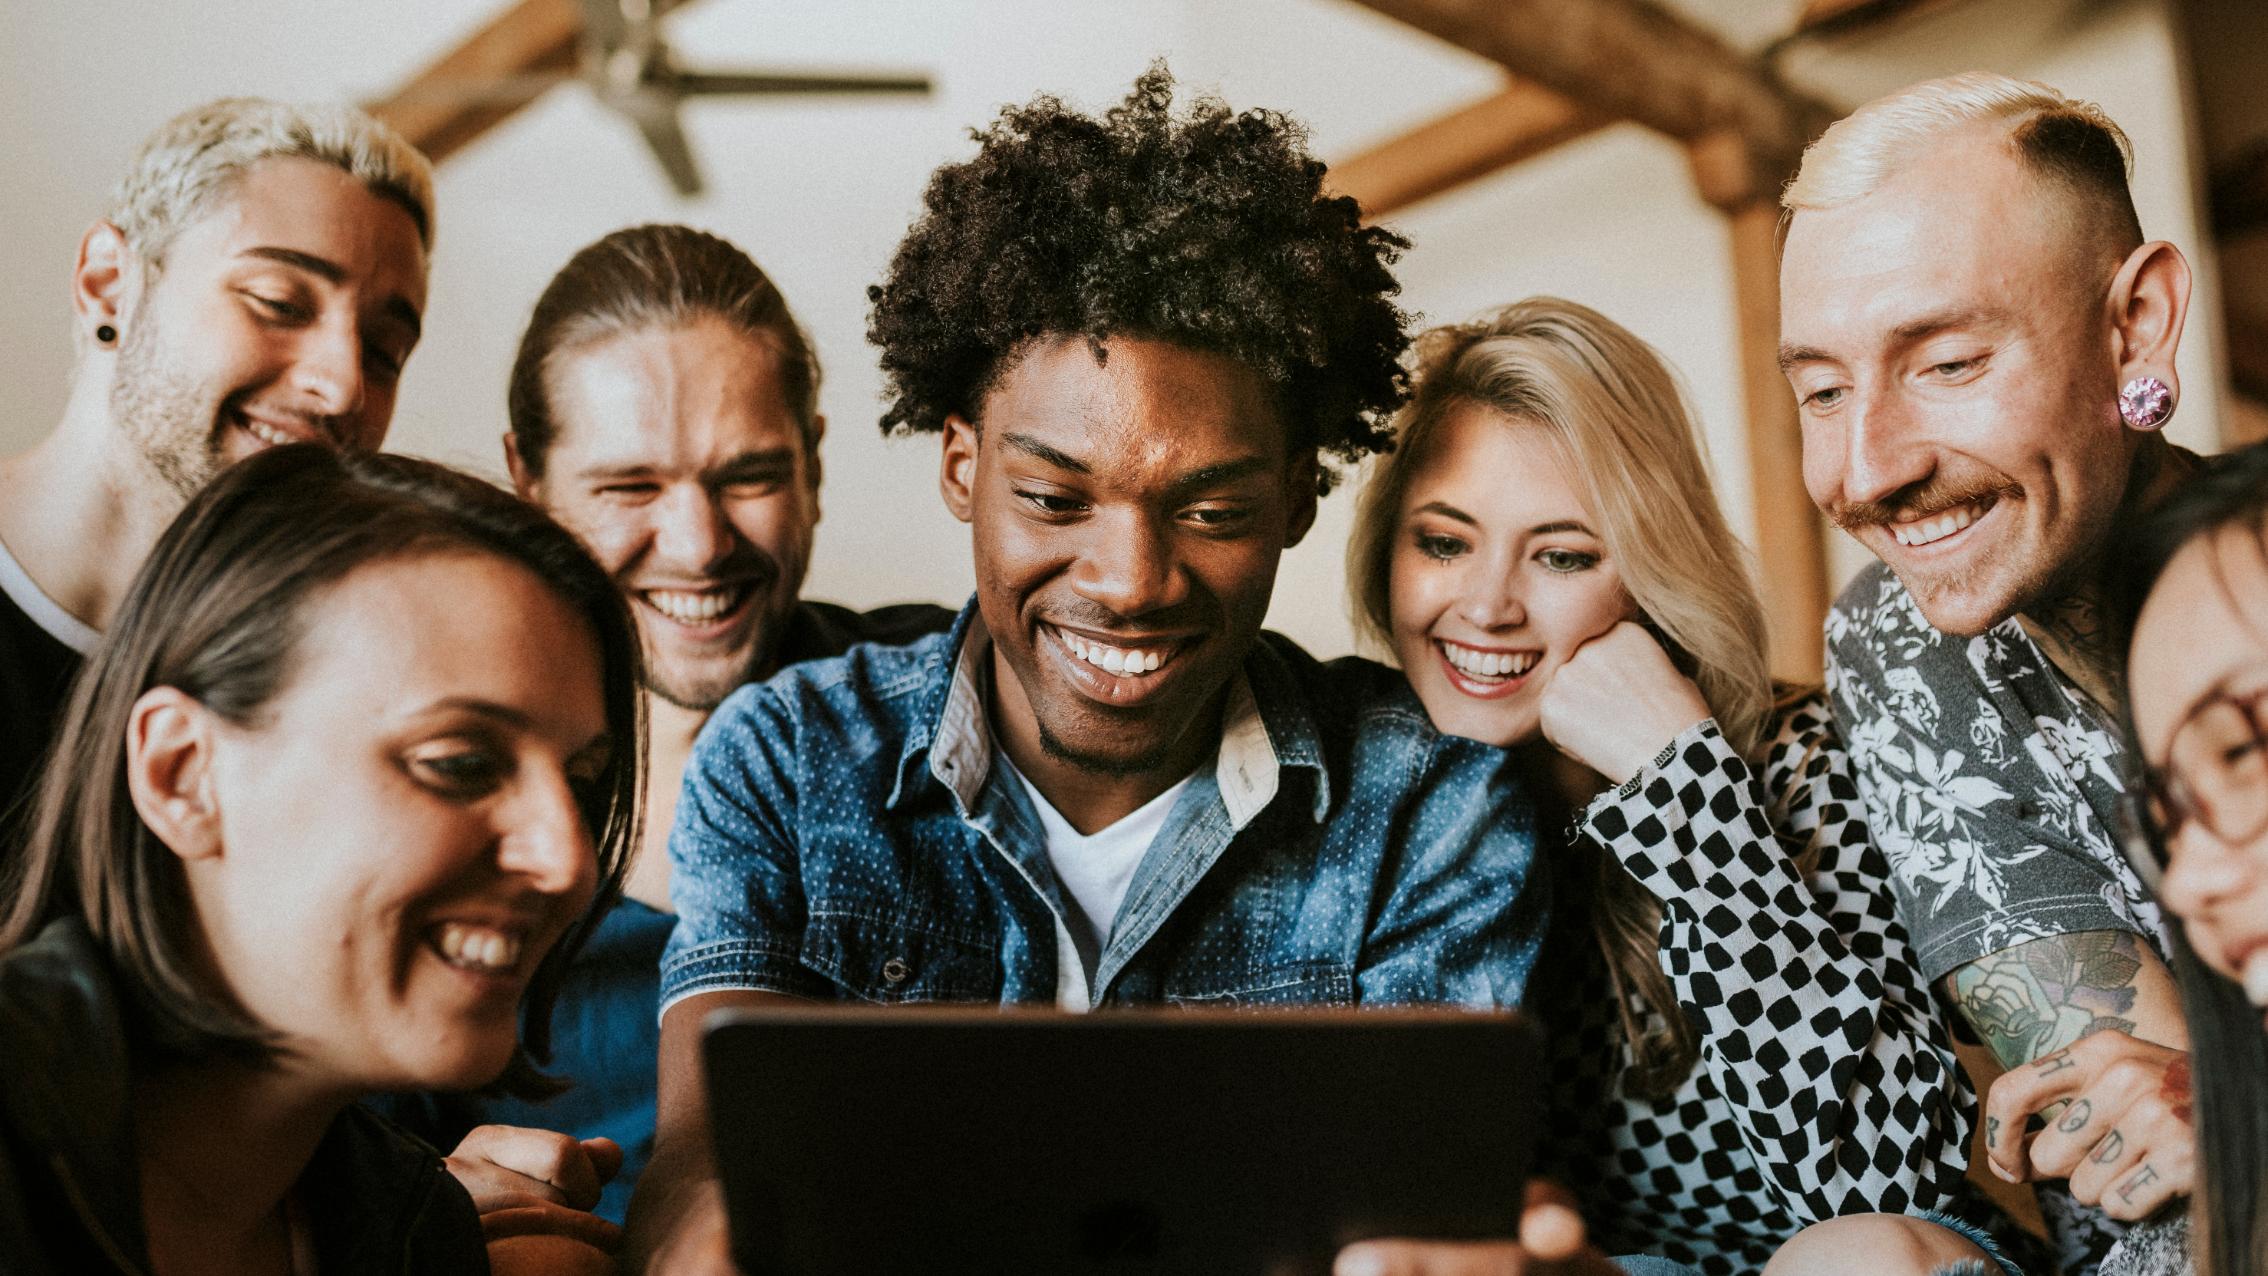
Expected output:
(1991, 784)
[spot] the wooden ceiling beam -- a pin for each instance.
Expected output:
(1633, 60)
(1523, 121)
(528, 41)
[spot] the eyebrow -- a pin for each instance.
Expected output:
(1447, 510)
(396, 307)
(1220, 475)
(1030, 446)
(1911, 330)
(508, 716)
(767, 462)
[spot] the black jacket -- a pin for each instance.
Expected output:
(379, 1202)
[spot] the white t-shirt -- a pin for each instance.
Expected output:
(1095, 869)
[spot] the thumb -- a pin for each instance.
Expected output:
(1551, 1228)
(606, 1157)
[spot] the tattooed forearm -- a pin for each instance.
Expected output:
(2038, 997)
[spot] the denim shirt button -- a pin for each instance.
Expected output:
(895, 970)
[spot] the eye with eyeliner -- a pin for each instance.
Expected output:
(1566, 562)
(1440, 546)
(460, 769)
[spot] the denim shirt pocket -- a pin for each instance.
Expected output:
(894, 962)
(1316, 982)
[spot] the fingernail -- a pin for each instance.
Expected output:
(2005, 1176)
(1359, 1261)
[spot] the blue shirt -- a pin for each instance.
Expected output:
(604, 1034)
(843, 835)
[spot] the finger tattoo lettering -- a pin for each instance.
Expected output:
(1992, 1131)
(2075, 1119)
(2057, 1062)
(2143, 1178)
(2107, 1151)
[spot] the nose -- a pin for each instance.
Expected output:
(2203, 872)
(1880, 454)
(546, 842)
(691, 532)
(1489, 597)
(327, 370)
(1128, 565)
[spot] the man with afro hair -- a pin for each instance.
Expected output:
(1142, 339)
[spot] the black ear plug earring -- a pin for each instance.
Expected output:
(105, 334)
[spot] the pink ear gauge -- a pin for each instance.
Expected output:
(2145, 403)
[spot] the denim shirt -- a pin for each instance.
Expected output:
(843, 836)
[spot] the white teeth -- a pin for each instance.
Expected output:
(2256, 978)
(690, 607)
(477, 947)
(1125, 661)
(1923, 531)
(266, 433)
(1489, 664)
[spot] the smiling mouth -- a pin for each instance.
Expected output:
(480, 949)
(697, 608)
(1914, 533)
(267, 433)
(1121, 662)
(1487, 668)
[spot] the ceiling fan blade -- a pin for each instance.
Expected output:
(718, 82)
(655, 114)
(604, 24)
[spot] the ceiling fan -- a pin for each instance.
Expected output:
(614, 47)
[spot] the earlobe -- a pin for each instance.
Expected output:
(2150, 303)
(99, 281)
(525, 483)
(169, 772)
(956, 477)
(815, 466)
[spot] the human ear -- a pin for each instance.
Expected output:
(2149, 299)
(99, 280)
(169, 771)
(1300, 497)
(524, 480)
(956, 477)
(814, 470)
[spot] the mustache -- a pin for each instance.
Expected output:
(1922, 500)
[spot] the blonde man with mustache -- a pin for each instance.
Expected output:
(1981, 344)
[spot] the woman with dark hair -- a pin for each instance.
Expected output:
(328, 813)
(2192, 582)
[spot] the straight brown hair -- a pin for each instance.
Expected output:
(217, 612)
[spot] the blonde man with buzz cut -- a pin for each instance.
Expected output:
(259, 278)
(1981, 344)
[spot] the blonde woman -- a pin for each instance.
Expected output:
(1748, 1046)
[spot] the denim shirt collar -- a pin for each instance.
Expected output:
(1265, 730)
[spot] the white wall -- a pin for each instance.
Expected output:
(820, 191)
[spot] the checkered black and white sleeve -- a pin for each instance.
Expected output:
(1780, 938)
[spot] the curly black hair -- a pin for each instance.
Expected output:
(1210, 231)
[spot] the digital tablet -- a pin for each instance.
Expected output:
(874, 1141)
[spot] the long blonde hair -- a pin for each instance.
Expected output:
(1612, 408)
